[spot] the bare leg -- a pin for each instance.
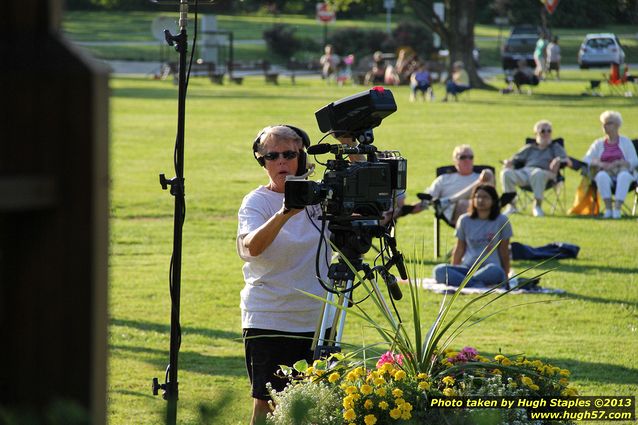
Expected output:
(260, 409)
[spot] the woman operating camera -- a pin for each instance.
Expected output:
(279, 247)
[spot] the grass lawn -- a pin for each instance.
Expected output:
(126, 27)
(592, 329)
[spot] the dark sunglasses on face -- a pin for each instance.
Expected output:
(545, 130)
(464, 157)
(273, 156)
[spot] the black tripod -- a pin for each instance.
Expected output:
(353, 239)
(170, 386)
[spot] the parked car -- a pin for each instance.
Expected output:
(517, 47)
(600, 50)
(526, 29)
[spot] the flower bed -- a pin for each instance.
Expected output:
(341, 390)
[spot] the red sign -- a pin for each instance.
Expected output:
(324, 14)
(551, 5)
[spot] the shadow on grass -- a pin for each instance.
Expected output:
(598, 300)
(165, 328)
(574, 100)
(584, 270)
(188, 360)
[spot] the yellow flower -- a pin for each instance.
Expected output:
(369, 404)
(386, 367)
(399, 401)
(424, 385)
(497, 371)
(395, 413)
(348, 402)
(359, 371)
(351, 376)
(499, 357)
(334, 377)
(406, 415)
(399, 375)
(449, 392)
(448, 380)
(366, 389)
(422, 376)
(526, 380)
(381, 392)
(563, 381)
(349, 415)
(406, 407)
(379, 381)
(506, 362)
(397, 392)
(351, 389)
(370, 420)
(310, 370)
(534, 387)
(564, 372)
(383, 405)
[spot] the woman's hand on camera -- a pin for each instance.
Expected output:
(348, 140)
(289, 212)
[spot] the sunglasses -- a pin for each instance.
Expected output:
(273, 156)
(545, 130)
(464, 157)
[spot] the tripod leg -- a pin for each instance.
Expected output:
(320, 346)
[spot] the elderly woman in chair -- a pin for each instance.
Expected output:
(534, 165)
(613, 161)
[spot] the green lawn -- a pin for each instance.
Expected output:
(125, 27)
(592, 329)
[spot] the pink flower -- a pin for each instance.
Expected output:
(467, 354)
(389, 357)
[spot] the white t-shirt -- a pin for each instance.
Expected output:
(480, 236)
(450, 184)
(271, 298)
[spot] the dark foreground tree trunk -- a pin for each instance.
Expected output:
(456, 31)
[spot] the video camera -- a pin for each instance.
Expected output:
(364, 188)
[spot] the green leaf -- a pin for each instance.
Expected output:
(300, 366)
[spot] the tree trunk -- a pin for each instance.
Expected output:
(459, 19)
(456, 32)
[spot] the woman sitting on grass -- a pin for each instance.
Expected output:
(477, 232)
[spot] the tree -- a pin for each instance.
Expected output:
(456, 31)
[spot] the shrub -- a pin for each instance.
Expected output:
(414, 35)
(281, 40)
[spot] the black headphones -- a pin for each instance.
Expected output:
(301, 162)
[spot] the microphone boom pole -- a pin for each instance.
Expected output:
(170, 387)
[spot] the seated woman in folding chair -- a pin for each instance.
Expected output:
(477, 232)
(454, 190)
(534, 165)
(612, 160)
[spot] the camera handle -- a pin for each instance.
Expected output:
(341, 281)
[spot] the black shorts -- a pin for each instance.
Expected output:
(264, 355)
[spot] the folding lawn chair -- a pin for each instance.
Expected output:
(620, 83)
(558, 198)
(633, 187)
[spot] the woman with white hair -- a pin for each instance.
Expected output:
(613, 161)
